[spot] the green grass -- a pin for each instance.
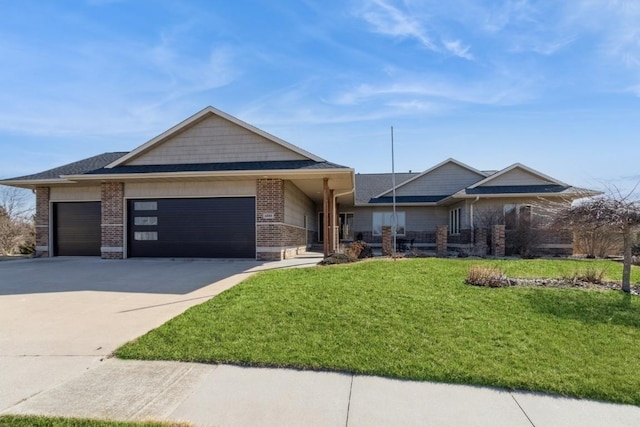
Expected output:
(40, 421)
(416, 319)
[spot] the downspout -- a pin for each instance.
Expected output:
(473, 234)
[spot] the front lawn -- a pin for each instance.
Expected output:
(416, 319)
(40, 421)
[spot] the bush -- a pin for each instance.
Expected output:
(337, 259)
(479, 275)
(589, 275)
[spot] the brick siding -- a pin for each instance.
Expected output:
(112, 194)
(275, 240)
(42, 221)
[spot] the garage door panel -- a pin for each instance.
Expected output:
(76, 228)
(196, 228)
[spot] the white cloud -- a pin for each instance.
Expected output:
(384, 18)
(455, 47)
(388, 20)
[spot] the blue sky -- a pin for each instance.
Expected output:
(551, 84)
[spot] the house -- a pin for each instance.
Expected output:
(469, 202)
(215, 186)
(211, 186)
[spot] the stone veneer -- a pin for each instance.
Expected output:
(275, 240)
(498, 240)
(387, 244)
(441, 240)
(42, 222)
(112, 194)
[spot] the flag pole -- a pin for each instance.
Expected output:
(394, 221)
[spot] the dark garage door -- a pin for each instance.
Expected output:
(76, 229)
(194, 228)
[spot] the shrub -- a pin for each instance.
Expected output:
(479, 275)
(589, 275)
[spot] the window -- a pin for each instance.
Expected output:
(515, 215)
(145, 235)
(145, 220)
(381, 219)
(145, 206)
(454, 221)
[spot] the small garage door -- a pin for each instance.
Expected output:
(194, 228)
(76, 229)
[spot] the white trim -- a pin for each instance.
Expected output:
(111, 249)
(279, 223)
(212, 174)
(33, 182)
(272, 249)
(520, 166)
(431, 169)
(111, 225)
(199, 115)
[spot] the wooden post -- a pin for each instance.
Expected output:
(332, 220)
(325, 214)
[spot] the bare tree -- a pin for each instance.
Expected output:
(17, 228)
(613, 210)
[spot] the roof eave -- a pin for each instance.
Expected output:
(204, 174)
(32, 183)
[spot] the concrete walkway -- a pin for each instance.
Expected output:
(224, 395)
(52, 366)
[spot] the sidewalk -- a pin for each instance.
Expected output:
(224, 395)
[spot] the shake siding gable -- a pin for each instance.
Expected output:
(447, 179)
(517, 176)
(215, 140)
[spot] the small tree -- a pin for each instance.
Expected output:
(17, 230)
(613, 211)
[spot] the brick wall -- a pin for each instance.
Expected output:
(441, 240)
(42, 221)
(112, 194)
(275, 240)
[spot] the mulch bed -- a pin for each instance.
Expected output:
(565, 283)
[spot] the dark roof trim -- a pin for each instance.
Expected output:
(218, 167)
(408, 199)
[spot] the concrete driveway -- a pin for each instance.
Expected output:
(62, 316)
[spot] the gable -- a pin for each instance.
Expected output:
(214, 139)
(444, 180)
(517, 176)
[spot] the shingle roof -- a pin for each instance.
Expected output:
(370, 185)
(219, 167)
(517, 189)
(79, 167)
(96, 165)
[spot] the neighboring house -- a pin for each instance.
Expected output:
(468, 201)
(215, 186)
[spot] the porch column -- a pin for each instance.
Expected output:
(498, 240)
(441, 240)
(332, 220)
(325, 214)
(112, 245)
(42, 222)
